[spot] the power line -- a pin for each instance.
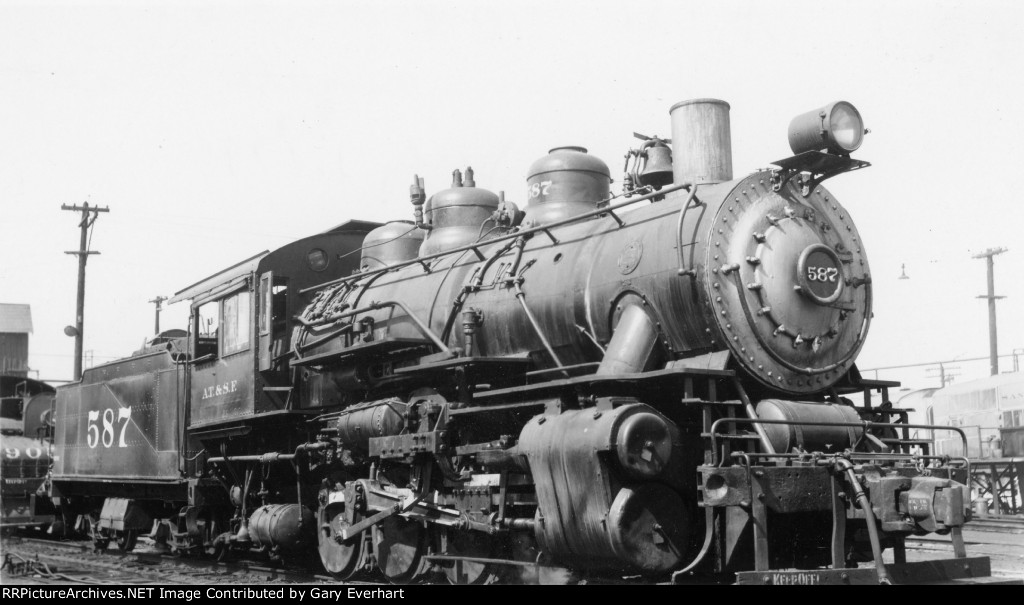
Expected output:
(931, 363)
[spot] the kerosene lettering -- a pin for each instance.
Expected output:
(801, 578)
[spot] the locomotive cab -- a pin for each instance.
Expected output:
(241, 325)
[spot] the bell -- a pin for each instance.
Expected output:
(658, 169)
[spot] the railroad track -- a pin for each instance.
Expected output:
(1001, 524)
(68, 563)
(63, 561)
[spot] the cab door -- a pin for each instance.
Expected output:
(221, 382)
(272, 327)
(265, 351)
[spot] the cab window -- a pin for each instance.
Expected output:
(235, 322)
(208, 329)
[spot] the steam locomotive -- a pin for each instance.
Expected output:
(25, 412)
(648, 383)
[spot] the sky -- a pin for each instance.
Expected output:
(216, 130)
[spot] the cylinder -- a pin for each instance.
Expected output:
(565, 183)
(644, 445)
(390, 244)
(577, 486)
(819, 438)
(357, 425)
(286, 526)
(701, 141)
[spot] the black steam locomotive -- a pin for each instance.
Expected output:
(647, 383)
(25, 427)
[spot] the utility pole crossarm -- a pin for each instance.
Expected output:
(158, 301)
(85, 206)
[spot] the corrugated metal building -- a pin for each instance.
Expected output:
(15, 326)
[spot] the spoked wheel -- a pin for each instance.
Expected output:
(341, 558)
(399, 546)
(474, 545)
(127, 539)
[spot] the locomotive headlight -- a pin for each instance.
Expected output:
(836, 127)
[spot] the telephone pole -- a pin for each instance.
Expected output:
(945, 373)
(992, 298)
(158, 301)
(89, 216)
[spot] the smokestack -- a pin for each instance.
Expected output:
(701, 141)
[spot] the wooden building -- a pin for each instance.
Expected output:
(15, 326)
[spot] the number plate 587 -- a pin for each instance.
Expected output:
(826, 274)
(111, 427)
